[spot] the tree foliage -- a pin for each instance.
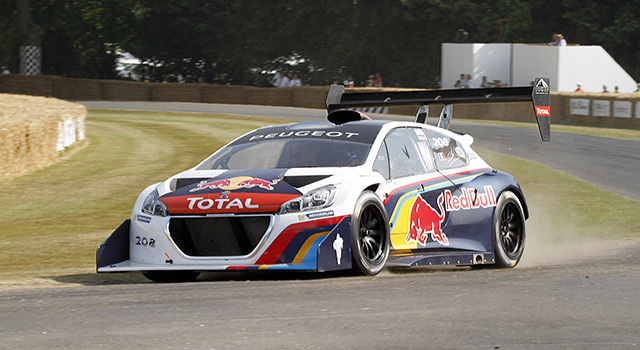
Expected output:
(238, 42)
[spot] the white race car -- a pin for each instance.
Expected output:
(352, 193)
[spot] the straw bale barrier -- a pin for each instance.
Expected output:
(224, 94)
(592, 109)
(176, 92)
(115, 90)
(30, 131)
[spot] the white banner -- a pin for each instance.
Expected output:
(622, 109)
(579, 106)
(601, 108)
(69, 132)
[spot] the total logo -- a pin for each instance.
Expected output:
(235, 183)
(220, 203)
(543, 111)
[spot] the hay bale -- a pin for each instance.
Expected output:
(173, 92)
(29, 131)
(116, 90)
(35, 85)
(77, 89)
(309, 96)
(224, 94)
(269, 96)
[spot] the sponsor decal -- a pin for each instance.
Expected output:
(203, 203)
(311, 216)
(442, 156)
(142, 218)
(424, 221)
(337, 246)
(470, 199)
(543, 111)
(305, 133)
(542, 87)
(235, 183)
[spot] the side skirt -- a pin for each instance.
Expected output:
(416, 259)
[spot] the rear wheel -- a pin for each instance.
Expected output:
(508, 230)
(369, 235)
(171, 276)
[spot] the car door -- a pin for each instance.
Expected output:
(415, 214)
(469, 198)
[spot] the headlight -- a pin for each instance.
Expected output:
(316, 199)
(152, 205)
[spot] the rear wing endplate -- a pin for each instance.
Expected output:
(538, 94)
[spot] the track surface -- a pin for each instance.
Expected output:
(591, 302)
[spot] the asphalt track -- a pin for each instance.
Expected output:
(588, 301)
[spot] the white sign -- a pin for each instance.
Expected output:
(601, 108)
(622, 109)
(579, 106)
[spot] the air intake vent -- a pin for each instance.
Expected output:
(299, 181)
(218, 236)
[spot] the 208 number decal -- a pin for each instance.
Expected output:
(440, 142)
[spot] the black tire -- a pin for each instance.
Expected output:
(508, 230)
(171, 276)
(369, 235)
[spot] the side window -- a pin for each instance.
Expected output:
(404, 156)
(381, 164)
(447, 152)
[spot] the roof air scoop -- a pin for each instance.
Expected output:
(342, 116)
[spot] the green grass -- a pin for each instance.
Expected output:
(53, 219)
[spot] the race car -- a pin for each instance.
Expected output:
(349, 193)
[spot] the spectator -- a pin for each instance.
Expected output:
(463, 83)
(485, 83)
(282, 80)
(4, 70)
(604, 88)
(638, 89)
(377, 82)
(457, 85)
(615, 89)
(295, 81)
(579, 88)
(469, 82)
(369, 81)
(348, 82)
(558, 40)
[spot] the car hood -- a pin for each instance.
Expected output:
(234, 191)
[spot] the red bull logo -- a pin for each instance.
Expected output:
(212, 184)
(236, 183)
(424, 221)
(470, 199)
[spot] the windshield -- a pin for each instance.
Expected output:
(288, 153)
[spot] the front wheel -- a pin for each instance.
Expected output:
(369, 235)
(171, 276)
(508, 230)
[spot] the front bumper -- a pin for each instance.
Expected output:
(153, 244)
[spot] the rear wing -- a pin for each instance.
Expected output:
(538, 94)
